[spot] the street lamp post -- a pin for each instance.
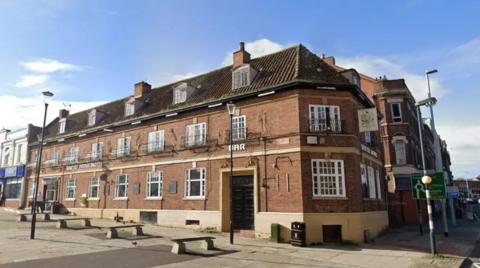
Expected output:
(46, 95)
(427, 180)
(438, 153)
(231, 111)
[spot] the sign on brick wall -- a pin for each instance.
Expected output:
(367, 120)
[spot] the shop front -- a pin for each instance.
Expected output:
(12, 185)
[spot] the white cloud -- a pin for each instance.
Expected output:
(377, 66)
(49, 66)
(30, 80)
(464, 146)
(256, 48)
(18, 112)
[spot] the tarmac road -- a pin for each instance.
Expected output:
(129, 257)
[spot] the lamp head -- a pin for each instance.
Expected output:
(231, 108)
(47, 95)
(432, 71)
(426, 180)
(427, 102)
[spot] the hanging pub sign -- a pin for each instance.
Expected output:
(367, 120)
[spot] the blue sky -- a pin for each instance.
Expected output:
(88, 52)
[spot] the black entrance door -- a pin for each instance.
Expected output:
(243, 202)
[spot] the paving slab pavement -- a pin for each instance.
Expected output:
(90, 244)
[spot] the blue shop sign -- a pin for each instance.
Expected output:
(9, 172)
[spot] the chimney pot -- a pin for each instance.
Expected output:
(241, 56)
(63, 113)
(141, 88)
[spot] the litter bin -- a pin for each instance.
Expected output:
(275, 232)
(298, 234)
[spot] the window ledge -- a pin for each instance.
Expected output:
(199, 198)
(120, 198)
(69, 199)
(330, 198)
(153, 198)
(93, 198)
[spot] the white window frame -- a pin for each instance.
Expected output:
(196, 134)
(31, 188)
(371, 182)
(156, 141)
(364, 180)
(189, 180)
(400, 152)
(6, 156)
(18, 151)
(92, 118)
(154, 177)
(396, 118)
(179, 95)
(62, 125)
(130, 108)
(379, 185)
(239, 128)
(71, 185)
(118, 185)
(93, 182)
(123, 146)
(318, 120)
(241, 77)
(320, 177)
(73, 155)
(96, 152)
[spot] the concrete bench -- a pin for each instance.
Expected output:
(62, 223)
(179, 243)
(23, 216)
(112, 230)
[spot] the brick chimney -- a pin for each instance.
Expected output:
(63, 113)
(241, 56)
(141, 88)
(330, 60)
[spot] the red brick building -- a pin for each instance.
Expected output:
(162, 154)
(399, 142)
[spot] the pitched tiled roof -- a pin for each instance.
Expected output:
(289, 65)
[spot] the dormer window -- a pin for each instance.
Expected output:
(179, 95)
(92, 118)
(61, 125)
(182, 92)
(242, 76)
(130, 107)
(356, 80)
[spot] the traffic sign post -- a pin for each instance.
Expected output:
(437, 188)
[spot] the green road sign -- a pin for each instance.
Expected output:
(437, 188)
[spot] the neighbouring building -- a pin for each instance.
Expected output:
(399, 142)
(162, 154)
(13, 157)
(468, 188)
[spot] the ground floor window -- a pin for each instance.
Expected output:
(195, 182)
(371, 183)
(121, 186)
(13, 187)
(71, 188)
(93, 186)
(379, 191)
(154, 184)
(328, 178)
(31, 188)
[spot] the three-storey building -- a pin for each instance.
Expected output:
(163, 154)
